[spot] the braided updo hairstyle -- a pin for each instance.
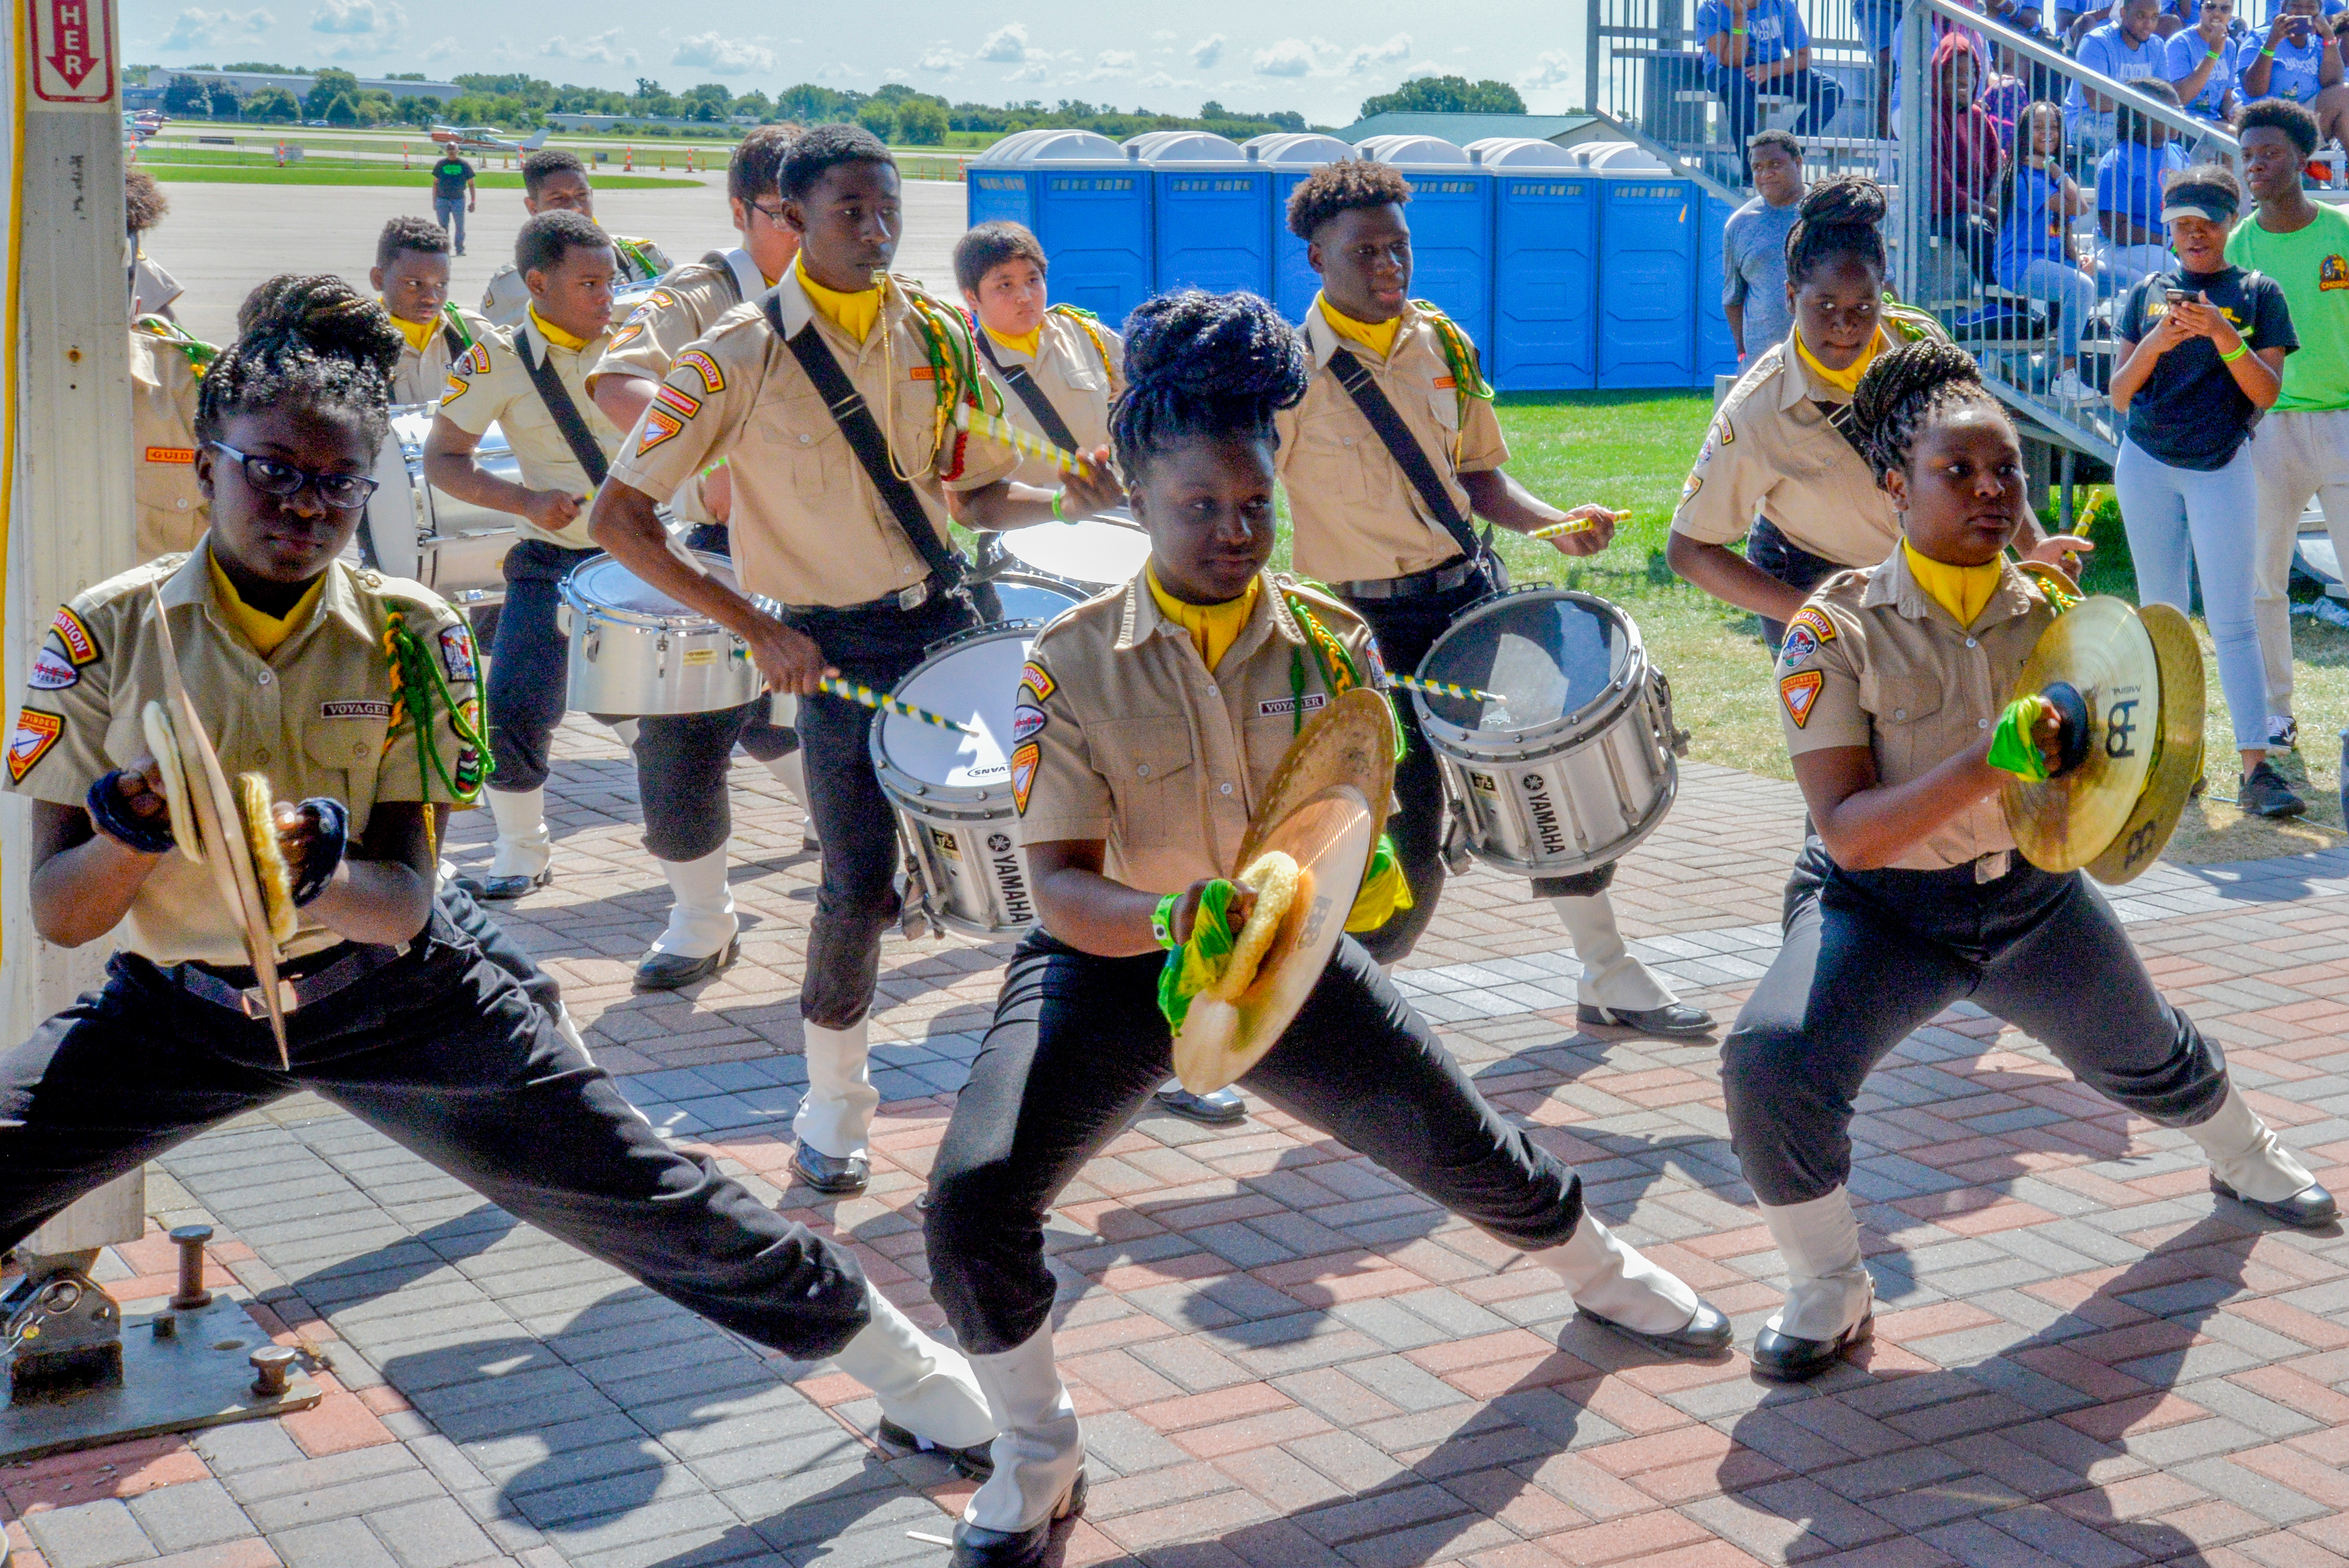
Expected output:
(314, 340)
(1204, 365)
(1838, 218)
(1903, 390)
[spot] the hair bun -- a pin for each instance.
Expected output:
(324, 315)
(1207, 347)
(1846, 199)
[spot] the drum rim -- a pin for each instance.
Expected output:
(955, 796)
(1607, 854)
(1510, 745)
(690, 622)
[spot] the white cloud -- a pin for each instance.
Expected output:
(940, 59)
(1159, 81)
(376, 16)
(1207, 50)
(1033, 71)
(838, 71)
(444, 48)
(1289, 58)
(726, 57)
(1113, 63)
(1366, 55)
(1549, 70)
(602, 48)
(1163, 35)
(196, 29)
(1008, 44)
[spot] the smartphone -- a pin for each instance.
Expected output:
(2177, 296)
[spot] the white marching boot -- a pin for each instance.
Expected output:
(521, 860)
(1830, 1299)
(929, 1400)
(1613, 1282)
(834, 1120)
(1039, 1461)
(2249, 1165)
(791, 772)
(1616, 987)
(698, 940)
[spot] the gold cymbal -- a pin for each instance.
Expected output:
(2178, 755)
(1351, 741)
(2097, 658)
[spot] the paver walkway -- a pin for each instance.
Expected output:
(2083, 1359)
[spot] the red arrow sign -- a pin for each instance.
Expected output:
(72, 40)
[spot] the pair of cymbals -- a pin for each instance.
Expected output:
(2131, 681)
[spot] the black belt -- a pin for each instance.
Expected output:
(914, 598)
(220, 988)
(1435, 579)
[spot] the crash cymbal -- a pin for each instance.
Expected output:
(1331, 836)
(2178, 753)
(1351, 741)
(2097, 661)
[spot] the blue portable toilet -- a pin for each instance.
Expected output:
(1648, 222)
(1212, 223)
(1292, 156)
(1716, 351)
(1088, 201)
(1451, 215)
(1544, 266)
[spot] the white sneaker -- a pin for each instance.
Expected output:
(2068, 387)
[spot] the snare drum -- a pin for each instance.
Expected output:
(1573, 765)
(1033, 597)
(952, 792)
(635, 650)
(454, 548)
(1093, 554)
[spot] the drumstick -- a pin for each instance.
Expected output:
(874, 700)
(1443, 688)
(1010, 435)
(1574, 525)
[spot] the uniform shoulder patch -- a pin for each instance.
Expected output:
(2332, 273)
(1023, 774)
(80, 642)
(713, 380)
(1811, 629)
(52, 670)
(1821, 624)
(457, 654)
(1800, 693)
(684, 404)
(1034, 677)
(1028, 722)
(36, 731)
(660, 428)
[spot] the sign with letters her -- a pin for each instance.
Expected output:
(73, 51)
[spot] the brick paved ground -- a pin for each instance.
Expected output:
(2083, 1359)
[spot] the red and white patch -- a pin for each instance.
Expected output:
(52, 671)
(36, 733)
(80, 644)
(713, 380)
(1800, 693)
(1028, 721)
(684, 404)
(1034, 677)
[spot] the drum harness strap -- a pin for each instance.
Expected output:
(864, 436)
(741, 278)
(557, 398)
(1405, 447)
(1015, 376)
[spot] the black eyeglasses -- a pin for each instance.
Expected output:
(344, 492)
(772, 214)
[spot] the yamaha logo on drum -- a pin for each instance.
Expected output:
(1548, 831)
(1010, 877)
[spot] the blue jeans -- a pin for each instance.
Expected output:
(450, 215)
(2062, 284)
(2181, 517)
(1819, 96)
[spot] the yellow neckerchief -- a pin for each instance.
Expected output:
(555, 335)
(1845, 381)
(264, 631)
(1214, 628)
(853, 313)
(1377, 337)
(1963, 590)
(1026, 343)
(418, 332)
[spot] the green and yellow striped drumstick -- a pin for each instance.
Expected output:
(1443, 688)
(874, 700)
(996, 429)
(1574, 525)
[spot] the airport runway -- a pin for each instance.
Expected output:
(221, 239)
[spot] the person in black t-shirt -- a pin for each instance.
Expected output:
(2201, 359)
(453, 195)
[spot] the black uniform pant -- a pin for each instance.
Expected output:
(443, 1053)
(1405, 629)
(1772, 551)
(529, 681)
(761, 737)
(1078, 1044)
(875, 648)
(1877, 953)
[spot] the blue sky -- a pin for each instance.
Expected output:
(1322, 59)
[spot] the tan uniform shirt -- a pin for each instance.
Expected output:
(424, 373)
(1872, 660)
(489, 386)
(1354, 514)
(173, 512)
(506, 302)
(314, 715)
(808, 527)
(685, 308)
(1125, 736)
(1077, 377)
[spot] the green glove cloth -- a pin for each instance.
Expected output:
(2011, 749)
(1200, 960)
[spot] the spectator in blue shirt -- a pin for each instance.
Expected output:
(1761, 46)
(1880, 34)
(2201, 64)
(2128, 50)
(2129, 180)
(2299, 59)
(2035, 256)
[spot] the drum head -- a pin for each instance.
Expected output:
(1026, 598)
(973, 683)
(1544, 653)
(1087, 551)
(604, 584)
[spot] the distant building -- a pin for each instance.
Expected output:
(247, 83)
(676, 122)
(1460, 130)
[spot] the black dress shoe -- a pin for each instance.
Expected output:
(1218, 1107)
(2310, 1208)
(500, 889)
(1673, 1018)
(1783, 1358)
(673, 972)
(978, 1548)
(1706, 1333)
(830, 1173)
(977, 1461)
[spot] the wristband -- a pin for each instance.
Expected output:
(1737, 32)
(329, 838)
(2011, 749)
(1058, 515)
(2267, 53)
(2216, 53)
(2240, 349)
(111, 815)
(1162, 920)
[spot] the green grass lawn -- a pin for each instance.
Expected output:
(173, 172)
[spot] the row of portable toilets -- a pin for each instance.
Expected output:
(1573, 267)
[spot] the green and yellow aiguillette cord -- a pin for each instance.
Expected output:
(416, 682)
